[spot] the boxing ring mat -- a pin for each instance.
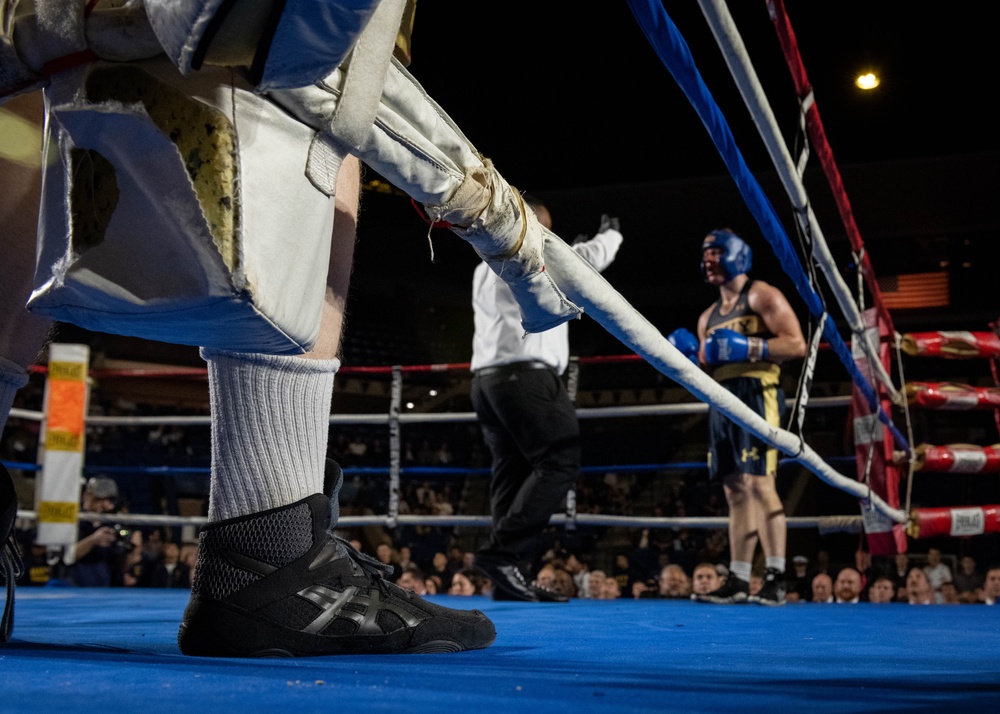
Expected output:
(115, 650)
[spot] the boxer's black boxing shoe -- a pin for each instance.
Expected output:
(10, 558)
(279, 584)
(773, 590)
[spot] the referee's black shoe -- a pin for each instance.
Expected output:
(509, 581)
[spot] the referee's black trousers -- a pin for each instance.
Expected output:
(530, 427)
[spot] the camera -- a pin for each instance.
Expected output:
(123, 537)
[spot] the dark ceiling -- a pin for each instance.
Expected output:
(567, 94)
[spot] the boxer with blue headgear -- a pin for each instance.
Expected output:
(736, 256)
(743, 337)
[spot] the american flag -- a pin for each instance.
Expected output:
(901, 292)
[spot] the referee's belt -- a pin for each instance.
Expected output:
(513, 367)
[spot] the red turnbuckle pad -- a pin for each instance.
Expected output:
(951, 344)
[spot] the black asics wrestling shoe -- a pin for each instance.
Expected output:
(279, 584)
(733, 591)
(10, 558)
(773, 590)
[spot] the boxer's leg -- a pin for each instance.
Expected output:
(270, 412)
(271, 579)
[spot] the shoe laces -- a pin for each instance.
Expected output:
(375, 569)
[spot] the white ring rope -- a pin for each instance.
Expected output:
(825, 524)
(28, 414)
(450, 417)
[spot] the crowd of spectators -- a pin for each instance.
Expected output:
(879, 580)
(136, 558)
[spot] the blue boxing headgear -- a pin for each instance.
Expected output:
(736, 254)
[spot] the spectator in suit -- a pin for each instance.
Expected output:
(900, 573)
(595, 584)
(918, 588)
(847, 587)
(948, 594)
(883, 590)
(610, 590)
(968, 581)
(672, 584)
(800, 582)
(705, 579)
(822, 588)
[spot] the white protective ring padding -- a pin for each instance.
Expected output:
(363, 75)
(417, 147)
(413, 144)
(586, 287)
(157, 272)
(507, 224)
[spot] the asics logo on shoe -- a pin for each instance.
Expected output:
(331, 604)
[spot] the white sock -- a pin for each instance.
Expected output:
(775, 562)
(741, 569)
(270, 427)
(12, 378)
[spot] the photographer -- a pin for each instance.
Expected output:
(98, 553)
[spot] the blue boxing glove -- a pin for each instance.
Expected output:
(686, 342)
(725, 345)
